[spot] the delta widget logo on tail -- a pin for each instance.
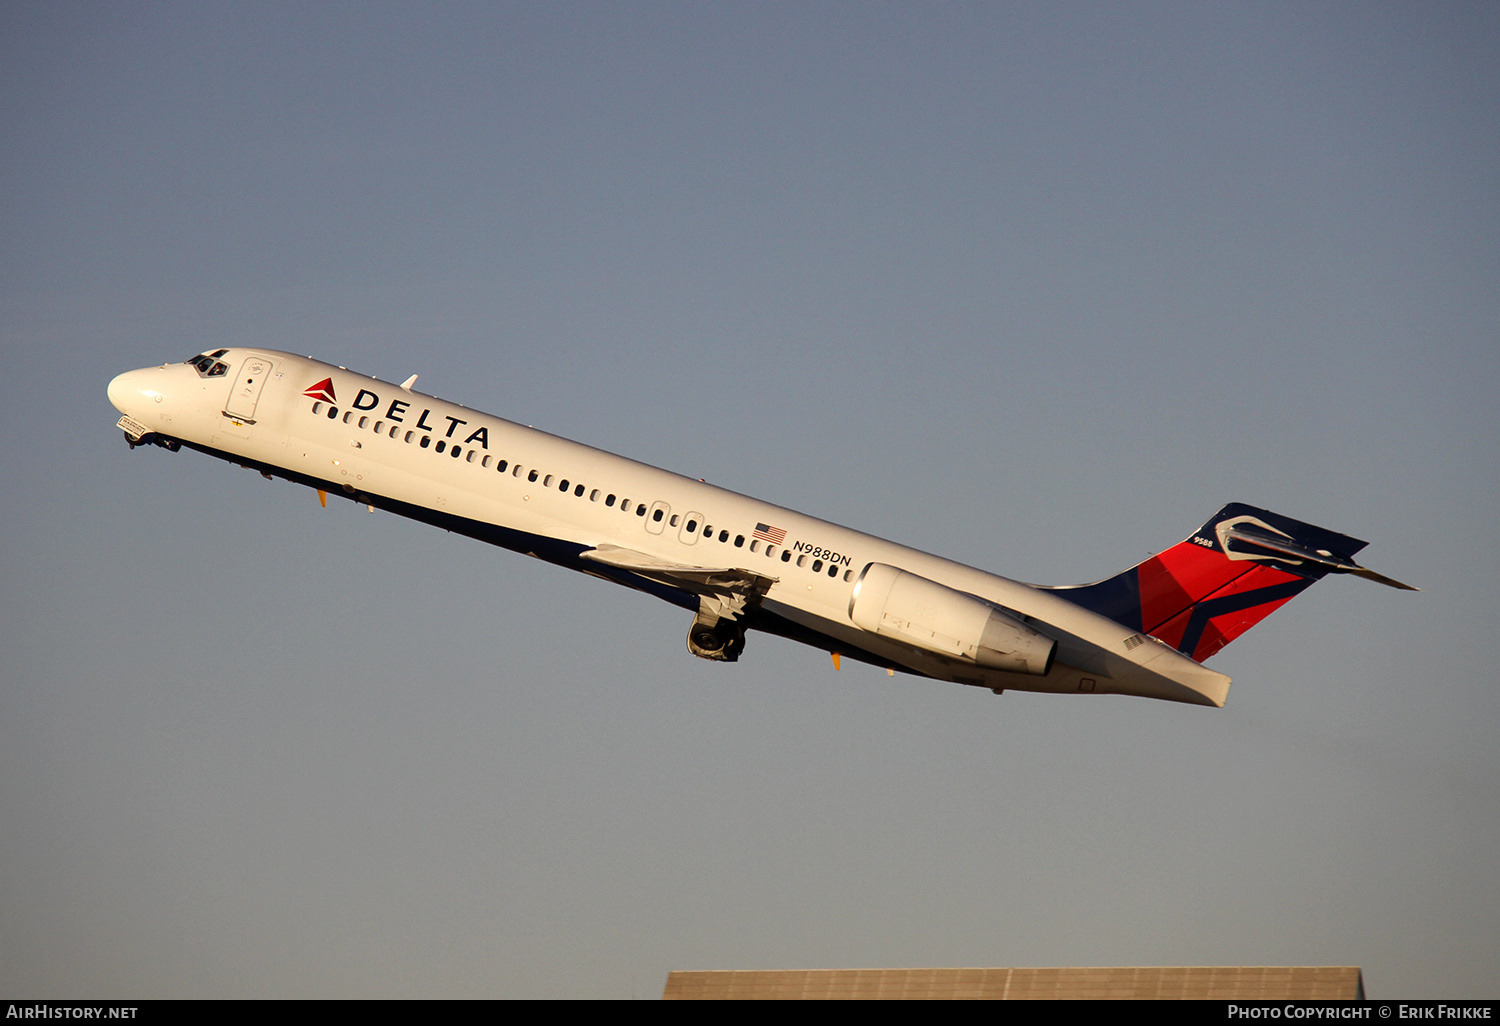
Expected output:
(322, 390)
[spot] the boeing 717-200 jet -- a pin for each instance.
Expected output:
(735, 563)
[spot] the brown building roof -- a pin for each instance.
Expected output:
(1251, 983)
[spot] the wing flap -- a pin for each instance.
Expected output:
(732, 589)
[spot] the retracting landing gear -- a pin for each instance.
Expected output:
(714, 637)
(152, 438)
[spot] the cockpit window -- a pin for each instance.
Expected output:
(209, 365)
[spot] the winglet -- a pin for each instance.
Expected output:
(409, 382)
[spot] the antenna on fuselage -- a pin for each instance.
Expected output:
(409, 382)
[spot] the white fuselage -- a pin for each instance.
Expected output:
(393, 448)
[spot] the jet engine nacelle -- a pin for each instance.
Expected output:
(936, 618)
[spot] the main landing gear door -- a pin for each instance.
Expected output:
(246, 391)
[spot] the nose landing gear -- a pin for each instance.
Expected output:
(152, 438)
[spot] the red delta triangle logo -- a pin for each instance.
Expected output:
(322, 390)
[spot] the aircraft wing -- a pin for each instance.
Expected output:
(729, 591)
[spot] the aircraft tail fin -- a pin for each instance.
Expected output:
(1233, 572)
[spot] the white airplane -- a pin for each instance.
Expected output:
(735, 562)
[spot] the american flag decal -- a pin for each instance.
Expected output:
(767, 533)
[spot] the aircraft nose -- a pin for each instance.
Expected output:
(117, 391)
(129, 391)
(120, 389)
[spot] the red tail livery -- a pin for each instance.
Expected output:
(1236, 570)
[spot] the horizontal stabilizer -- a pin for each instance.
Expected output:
(1247, 540)
(1371, 575)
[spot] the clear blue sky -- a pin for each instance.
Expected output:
(1037, 287)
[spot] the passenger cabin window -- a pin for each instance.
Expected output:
(531, 476)
(500, 467)
(578, 491)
